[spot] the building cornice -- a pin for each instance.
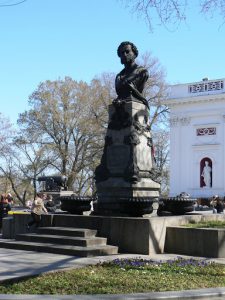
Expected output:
(195, 99)
(206, 146)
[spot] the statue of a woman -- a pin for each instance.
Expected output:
(206, 174)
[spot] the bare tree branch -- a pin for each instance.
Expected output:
(170, 13)
(13, 4)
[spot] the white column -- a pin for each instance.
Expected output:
(174, 156)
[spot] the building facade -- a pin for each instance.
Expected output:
(197, 138)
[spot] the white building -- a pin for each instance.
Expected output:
(197, 138)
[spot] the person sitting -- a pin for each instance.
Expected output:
(50, 205)
(217, 205)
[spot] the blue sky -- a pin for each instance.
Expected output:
(47, 39)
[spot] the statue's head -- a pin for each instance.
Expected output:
(123, 44)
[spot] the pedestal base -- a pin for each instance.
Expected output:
(124, 178)
(75, 204)
(175, 206)
(118, 197)
(126, 208)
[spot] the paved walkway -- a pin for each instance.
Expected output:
(19, 263)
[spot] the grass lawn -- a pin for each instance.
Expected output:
(207, 224)
(124, 276)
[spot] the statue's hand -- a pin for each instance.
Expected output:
(131, 85)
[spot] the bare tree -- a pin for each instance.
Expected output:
(31, 158)
(161, 154)
(20, 165)
(6, 134)
(18, 184)
(156, 90)
(170, 13)
(67, 116)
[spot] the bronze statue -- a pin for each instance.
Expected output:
(131, 80)
(125, 178)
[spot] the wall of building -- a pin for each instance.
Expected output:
(197, 131)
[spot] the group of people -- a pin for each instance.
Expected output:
(217, 205)
(42, 204)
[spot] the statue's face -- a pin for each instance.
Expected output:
(126, 54)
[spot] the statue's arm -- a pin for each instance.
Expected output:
(144, 75)
(118, 83)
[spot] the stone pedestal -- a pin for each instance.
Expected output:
(124, 178)
(175, 206)
(76, 204)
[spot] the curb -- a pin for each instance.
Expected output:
(204, 294)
